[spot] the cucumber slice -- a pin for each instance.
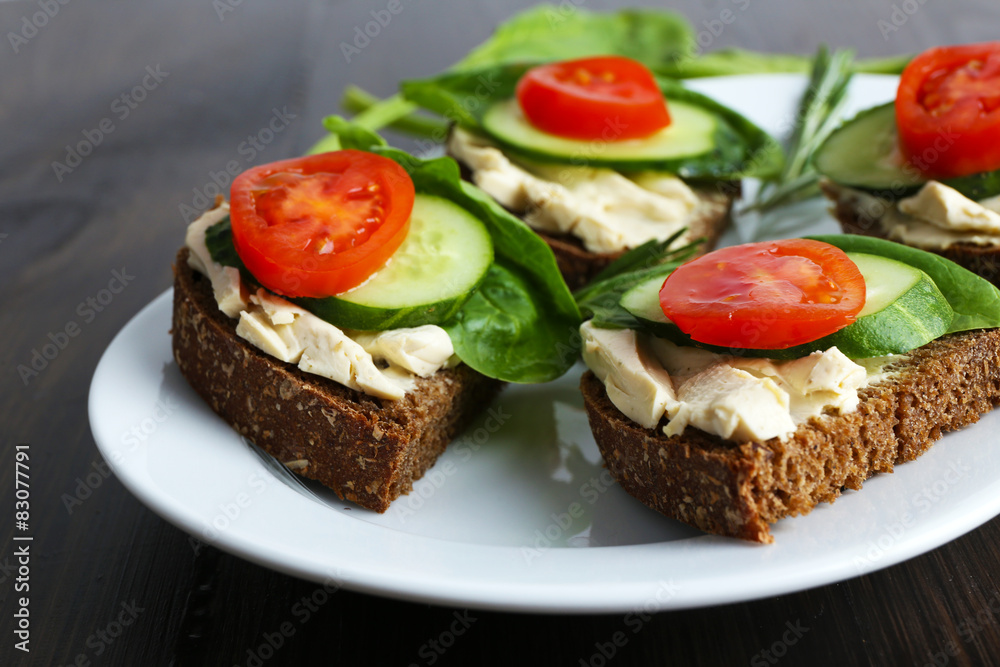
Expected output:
(863, 153)
(643, 303)
(691, 132)
(444, 257)
(903, 310)
(704, 140)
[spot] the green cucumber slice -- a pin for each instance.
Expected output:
(863, 153)
(903, 310)
(445, 256)
(975, 300)
(643, 303)
(691, 132)
(704, 140)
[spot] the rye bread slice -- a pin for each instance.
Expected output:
(368, 450)
(983, 260)
(738, 489)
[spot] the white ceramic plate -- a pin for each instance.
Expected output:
(519, 514)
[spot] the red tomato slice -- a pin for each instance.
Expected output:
(948, 110)
(319, 225)
(608, 97)
(768, 295)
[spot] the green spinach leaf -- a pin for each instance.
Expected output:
(601, 299)
(560, 32)
(504, 330)
(219, 241)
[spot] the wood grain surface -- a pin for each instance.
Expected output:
(212, 75)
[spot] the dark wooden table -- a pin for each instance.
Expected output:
(200, 81)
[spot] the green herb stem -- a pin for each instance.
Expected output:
(818, 114)
(393, 112)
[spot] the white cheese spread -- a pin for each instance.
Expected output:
(226, 284)
(735, 398)
(950, 210)
(935, 218)
(606, 210)
(633, 378)
(382, 364)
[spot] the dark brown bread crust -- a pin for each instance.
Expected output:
(981, 260)
(368, 450)
(738, 489)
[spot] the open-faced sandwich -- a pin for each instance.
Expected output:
(349, 312)
(925, 169)
(597, 154)
(756, 381)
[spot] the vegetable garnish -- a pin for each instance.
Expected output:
(319, 225)
(608, 97)
(948, 110)
(768, 295)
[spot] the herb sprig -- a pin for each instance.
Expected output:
(818, 115)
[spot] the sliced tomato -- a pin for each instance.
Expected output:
(769, 295)
(609, 98)
(319, 225)
(948, 110)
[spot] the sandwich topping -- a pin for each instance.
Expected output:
(767, 295)
(374, 268)
(383, 364)
(736, 398)
(742, 384)
(925, 168)
(935, 218)
(607, 210)
(533, 129)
